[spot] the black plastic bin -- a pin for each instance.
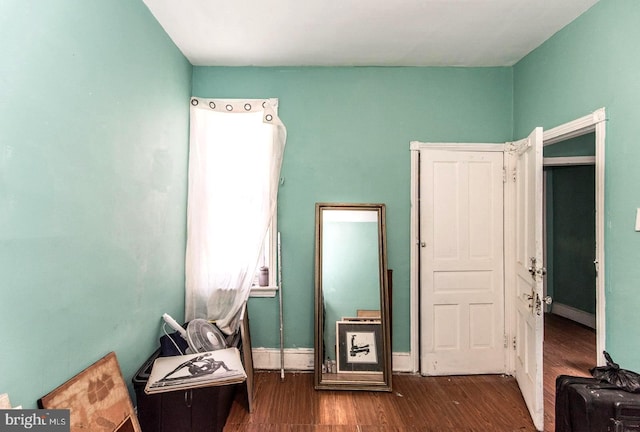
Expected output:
(202, 409)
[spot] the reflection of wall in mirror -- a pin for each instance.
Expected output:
(350, 273)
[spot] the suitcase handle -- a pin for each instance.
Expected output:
(627, 417)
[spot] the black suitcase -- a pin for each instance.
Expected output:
(589, 405)
(562, 407)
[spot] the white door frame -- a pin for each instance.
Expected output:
(594, 122)
(591, 123)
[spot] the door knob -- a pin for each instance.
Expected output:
(546, 300)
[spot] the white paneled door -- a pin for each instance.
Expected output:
(462, 262)
(527, 271)
(480, 258)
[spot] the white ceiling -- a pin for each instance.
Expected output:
(362, 32)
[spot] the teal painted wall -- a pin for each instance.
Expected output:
(583, 145)
(570, 201)
(93, 163)
(593, 63)
(349, 131)
(574, 242)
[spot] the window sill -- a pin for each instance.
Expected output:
(263, 291)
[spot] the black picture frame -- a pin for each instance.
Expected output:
(359, 347)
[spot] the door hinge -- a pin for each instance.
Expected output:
(506, 341)
(514, 174)
(504, 174)
(514, 343)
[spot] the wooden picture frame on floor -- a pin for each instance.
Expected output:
(97, 398)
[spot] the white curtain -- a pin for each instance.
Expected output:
(235, 154)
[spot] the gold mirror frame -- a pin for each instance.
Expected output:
(375, 325)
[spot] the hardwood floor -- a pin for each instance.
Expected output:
(458, 403)
(569, 349)
(480, 403)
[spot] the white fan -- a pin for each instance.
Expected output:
(201, 335)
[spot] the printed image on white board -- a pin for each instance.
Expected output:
(359, 346)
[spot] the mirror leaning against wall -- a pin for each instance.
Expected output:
(352, 326)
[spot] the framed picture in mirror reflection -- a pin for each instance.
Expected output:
(359, 346)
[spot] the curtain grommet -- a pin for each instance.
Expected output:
(247, 107)
(269, 117)
(229, 107)
(194, 102)
(212, 105)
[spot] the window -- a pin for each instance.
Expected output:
(235, 153)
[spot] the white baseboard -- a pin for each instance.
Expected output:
(402, 362)
(577, 315)
(301, 359)
(294, 358)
